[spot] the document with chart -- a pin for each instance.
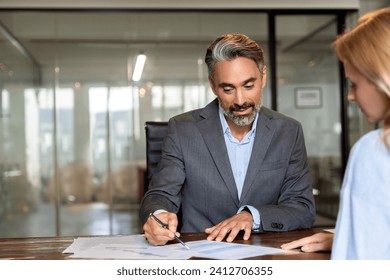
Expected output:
(136, 247)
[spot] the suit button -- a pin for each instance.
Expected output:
(277, 225)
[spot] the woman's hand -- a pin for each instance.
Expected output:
(314, 243)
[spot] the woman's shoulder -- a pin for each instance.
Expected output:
(371, 140)
(368, 166)
(369, 145)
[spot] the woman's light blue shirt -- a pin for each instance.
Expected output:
(363, 222)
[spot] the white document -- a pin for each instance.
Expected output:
(129, 252)
(228, 251)
(83, 243)
(136, 247)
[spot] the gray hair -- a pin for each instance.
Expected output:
(230, 46)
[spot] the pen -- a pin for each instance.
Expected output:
(166, 226)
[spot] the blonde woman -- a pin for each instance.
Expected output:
(363, 222)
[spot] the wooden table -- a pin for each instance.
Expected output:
(51, 248)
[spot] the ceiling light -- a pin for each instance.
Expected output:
(139, 67)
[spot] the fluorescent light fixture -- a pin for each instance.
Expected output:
(139, 67)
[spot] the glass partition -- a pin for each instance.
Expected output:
(308, 90)
(19, 178)
(72, 145)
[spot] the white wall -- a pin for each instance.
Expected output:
(320, 125)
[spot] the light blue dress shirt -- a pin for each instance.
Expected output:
(363, 222)
(239, 155)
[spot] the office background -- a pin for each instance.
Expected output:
(72, 144)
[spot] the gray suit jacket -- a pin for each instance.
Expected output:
(195, 174)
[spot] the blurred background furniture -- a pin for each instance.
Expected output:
(155, 133)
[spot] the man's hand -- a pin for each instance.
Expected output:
(156, 234)
(232, 226)
(314, 243)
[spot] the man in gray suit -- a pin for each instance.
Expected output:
(233, 165)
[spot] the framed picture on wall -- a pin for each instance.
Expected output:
(308, 97)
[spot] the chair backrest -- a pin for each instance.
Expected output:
(155, 133)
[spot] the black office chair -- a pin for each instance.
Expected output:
(155, 133)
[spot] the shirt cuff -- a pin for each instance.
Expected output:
(255, 216)
(159, 211)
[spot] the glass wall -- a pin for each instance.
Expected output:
(309, 91)
(72, 146)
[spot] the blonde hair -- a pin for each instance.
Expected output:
(367, 48)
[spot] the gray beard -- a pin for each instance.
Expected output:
(242, 120)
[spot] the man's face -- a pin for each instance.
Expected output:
(238, 84)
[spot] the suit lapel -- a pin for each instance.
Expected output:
(211, 130)
(264, 134)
